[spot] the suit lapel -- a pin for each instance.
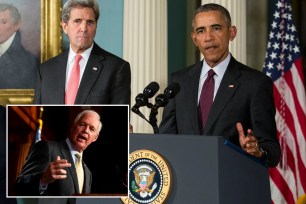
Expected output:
(192, 93)
(59, 85)
(92, 72)
(228, 87)
(87, 179)
(67, 155)
(6, 56)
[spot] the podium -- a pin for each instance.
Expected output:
(205, 169)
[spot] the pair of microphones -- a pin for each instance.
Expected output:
(161, 100)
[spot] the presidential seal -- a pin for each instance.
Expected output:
(149, 178)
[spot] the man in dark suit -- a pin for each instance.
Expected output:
(18, 67)
(51, 167)
(103, 77)
(242, 106)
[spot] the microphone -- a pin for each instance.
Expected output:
(163, 99)
(142, 98)
(150, 90)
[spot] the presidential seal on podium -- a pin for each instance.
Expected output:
(149, 178)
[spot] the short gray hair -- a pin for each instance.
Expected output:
(214, 7)
(70, 4)
(81, 114)
(13, 10)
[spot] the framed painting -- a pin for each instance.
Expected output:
(39, 20)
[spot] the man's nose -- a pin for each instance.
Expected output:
(86, 129)
(83, 26)
(208, 36)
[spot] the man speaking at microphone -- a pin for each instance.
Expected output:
(220, 96)
(56, 168)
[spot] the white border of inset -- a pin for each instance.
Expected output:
(85, 196)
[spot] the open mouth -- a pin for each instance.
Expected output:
(210, 48)
(82, 138)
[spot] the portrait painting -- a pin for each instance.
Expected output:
(30, 34)
(30, 12)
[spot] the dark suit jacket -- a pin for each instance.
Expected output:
(42, 154)
(248, 100)
(18, 67)
(106, 80)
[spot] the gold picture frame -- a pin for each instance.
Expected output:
(51, 30)
(16, 96)
(50, 46)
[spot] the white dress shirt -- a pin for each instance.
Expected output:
(219, 73)
(71, 56)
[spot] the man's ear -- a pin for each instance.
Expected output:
(64, 27)
(194, 39)
(233, 32)
(17, 26)
(95, 138)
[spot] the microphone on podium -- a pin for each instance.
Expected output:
(162, 100)
(142, 98)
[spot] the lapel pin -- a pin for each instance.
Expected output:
(231, 86)
(95, 68)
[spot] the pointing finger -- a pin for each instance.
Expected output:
(241, 135)
(240, 130)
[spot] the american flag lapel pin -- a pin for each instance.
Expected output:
(231, 86)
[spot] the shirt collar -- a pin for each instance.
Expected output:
(5, 46)
(85, 55)
(218, 69)
(72, 149)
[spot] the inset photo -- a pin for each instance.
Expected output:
(67, 151)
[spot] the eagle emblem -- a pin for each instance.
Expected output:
(144, 177)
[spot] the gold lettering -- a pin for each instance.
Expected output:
(160, 198)
(153, 157)
(166, 180)
(156, 200)
(135, 157)
(162, 195)
(162, 166)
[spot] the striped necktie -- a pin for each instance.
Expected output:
(74, 80)
(206, 99)
(79, 171)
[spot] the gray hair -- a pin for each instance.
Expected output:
(13, 10)
(214, 7)
(81, 114)
(70, 4)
